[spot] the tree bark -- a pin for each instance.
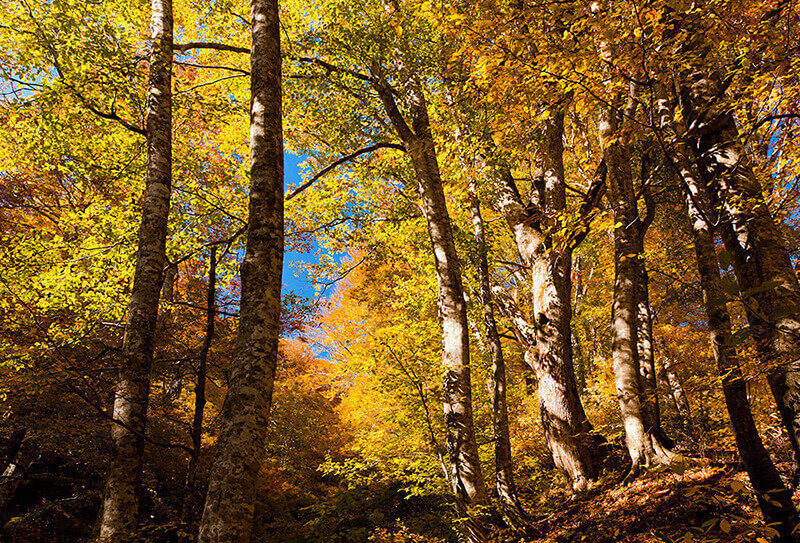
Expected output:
(643, 447)
(189, 489)
(645, 348)
(465, 471)
(504, 468)
(230, 502)
(750, 234)
(645, 338)
(676, 390)
(774, 499)
(567, 430)
(121, 501)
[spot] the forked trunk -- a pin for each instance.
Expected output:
(121, 500)
(568, 432)
(644, 447)
(230, 502)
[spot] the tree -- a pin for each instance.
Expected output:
(644, 445)
(465, 469)
(504, 468)
(121, 503)
(229, 506)
(773, 497)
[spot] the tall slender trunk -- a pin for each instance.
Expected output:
(645, 339)
(189, 488)
(504, 468)
(645, 347)
(230, 502)
(121, 501)
(465, 471)
(566, 427)
(643, 447)
(760, 259)
(167, 294)
(774, 499)
(584, 358)
(676, 390)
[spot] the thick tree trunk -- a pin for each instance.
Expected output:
(230, 502)
(121, 501)
(190, 486)
(761, 261)
(567, 430)
(504, 468)
(465, 471)
(624, 329)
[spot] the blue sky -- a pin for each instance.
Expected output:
(291, 282)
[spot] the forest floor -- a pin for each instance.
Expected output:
(701, 503)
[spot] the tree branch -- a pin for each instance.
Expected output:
(111, 116)
(333, 68)
(346, 158)
(597, 189)
(386, 95)
(183, 47)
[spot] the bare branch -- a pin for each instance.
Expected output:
(183, 47)
(333, 68)
(346, 158)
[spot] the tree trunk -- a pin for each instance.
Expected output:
(645, 349)
(750, 234)
(230, 502)
(645, 340)
(10, 472)
(504, 468)
(643, 447)
(624, 332)
(774, 498)
(121, 501)
(465, 471)
(189, 489)
(677, 391)
(567, 430)
(167, 294)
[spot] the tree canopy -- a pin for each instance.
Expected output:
(552, 249)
